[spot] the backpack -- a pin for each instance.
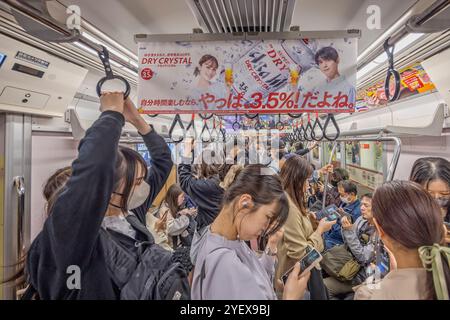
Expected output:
(143, 270)
(185, 238)
(339, 263)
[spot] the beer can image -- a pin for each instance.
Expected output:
(268, 66)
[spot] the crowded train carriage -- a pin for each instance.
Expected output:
(224, 150)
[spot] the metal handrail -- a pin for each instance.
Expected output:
(395, 157)
(19, 184)
(392, 165)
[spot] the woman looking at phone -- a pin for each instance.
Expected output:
(298, 230)
(226, 268)
(408, 221)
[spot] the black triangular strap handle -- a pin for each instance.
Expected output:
(205, 128)
(191, 126)
(176, 120)
(295, 116)
(215, 134)
(104, 57)
(331, 118)
(316, 125)
(222, 131)
(258, 125)
(308, 130)
(279, 125)
(299, 132)
(236, 125)
(251, 116)
(205, 116)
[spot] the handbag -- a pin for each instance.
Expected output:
(339, 263)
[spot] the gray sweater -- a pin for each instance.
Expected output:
(232, 271)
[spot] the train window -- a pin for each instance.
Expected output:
(336, 160)
(143, 151)
(364, 163)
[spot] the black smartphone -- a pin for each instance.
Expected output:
(310, 260)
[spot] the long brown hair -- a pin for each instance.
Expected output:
(54, 186)
(171, 199)
(294, 175)
(410, 216)
(51, 191)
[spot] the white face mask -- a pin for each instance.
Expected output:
(139, 195)
(345, 200)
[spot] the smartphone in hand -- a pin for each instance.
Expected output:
(310, 260)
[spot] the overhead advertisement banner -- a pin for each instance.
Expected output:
(248, 76)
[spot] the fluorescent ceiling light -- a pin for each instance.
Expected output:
(85, 48)
(134, 64)
(111, 41)
(134, 73)
(404, 43)
(111, 50)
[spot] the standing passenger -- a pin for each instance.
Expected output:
(254, 205)
(409, 223)
(109, 189)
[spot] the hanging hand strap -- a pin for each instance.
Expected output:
(104, 57)
(177, 120)
(205, 129)
(316, 125)
(331, 118)
(389, 49)
(236, 125)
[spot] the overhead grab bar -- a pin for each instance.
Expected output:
(395, 156)
(176, 120)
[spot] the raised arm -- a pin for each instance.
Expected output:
(74, 222)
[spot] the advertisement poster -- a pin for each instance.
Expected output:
(414, 80)
(248, 76)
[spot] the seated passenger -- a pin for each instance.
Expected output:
(333, 195)
(359, 239)
(433, 174)
(349, 206)
(104, 202)
(254, 205)
(409, 222)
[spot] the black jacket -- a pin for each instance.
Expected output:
(206, 193)
(70, 236)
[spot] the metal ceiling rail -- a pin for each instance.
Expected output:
(412, 22)
(72, 35)
(288, 35)
(434, 128)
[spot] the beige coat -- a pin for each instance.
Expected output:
(298, 234)
(159, 236)
(400, 284)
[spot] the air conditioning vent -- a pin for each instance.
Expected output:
(227, 16)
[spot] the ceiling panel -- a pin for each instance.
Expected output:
(121, 19)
